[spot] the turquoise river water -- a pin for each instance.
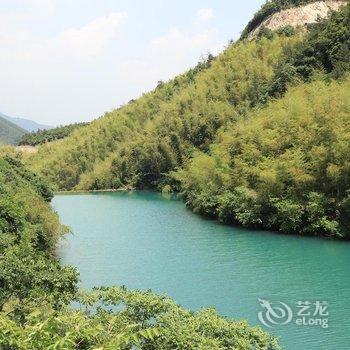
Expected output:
(146, 241)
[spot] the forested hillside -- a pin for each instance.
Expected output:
(29, 231)
(40, 137)
(36, 291)
(284, 168)
(143, 143)
(10, 133)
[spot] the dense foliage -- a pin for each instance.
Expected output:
(36, 291)
(327, 48)
(285, 168)
(140, 320)
(140, 142)
(42, 136)
(10, 133)
(29, 231)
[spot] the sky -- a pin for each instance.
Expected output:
(64, 61)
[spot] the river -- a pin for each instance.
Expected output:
(146, 241)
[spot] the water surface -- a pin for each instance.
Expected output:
(145, 241)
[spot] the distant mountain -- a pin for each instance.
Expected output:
(10, 133)
(26, 124)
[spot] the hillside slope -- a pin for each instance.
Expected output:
(285, 168)
(26, 124)
(139, 142)
(142, 144)
(43, 136)
(10, 133)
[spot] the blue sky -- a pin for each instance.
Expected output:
(64, 61)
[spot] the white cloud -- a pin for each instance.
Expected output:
(81, 71)
(205, 14)
(59, 72)
(90, 39)
(182, 39)
(85, 42)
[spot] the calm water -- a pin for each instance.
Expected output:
(143, 240)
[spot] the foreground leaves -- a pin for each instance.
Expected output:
(116, 318)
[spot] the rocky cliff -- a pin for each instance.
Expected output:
(298, 16)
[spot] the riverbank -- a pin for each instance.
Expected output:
(124, 189)
(176, 195)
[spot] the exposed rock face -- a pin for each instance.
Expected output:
(299, 16)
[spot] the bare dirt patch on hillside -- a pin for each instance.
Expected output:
(298, 16)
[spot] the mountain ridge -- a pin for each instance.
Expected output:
(10, 133)
(26, 124)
